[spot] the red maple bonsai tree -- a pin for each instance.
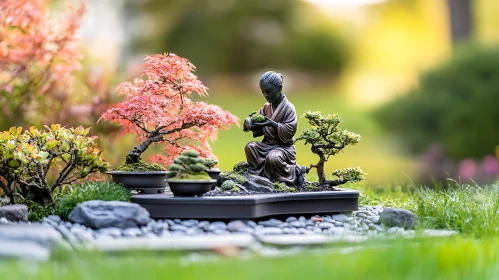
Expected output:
(158, 109)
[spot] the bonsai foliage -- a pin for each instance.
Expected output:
(210, 162)
(26, 157)
(159, 110)
(188, 166)
(327, 140)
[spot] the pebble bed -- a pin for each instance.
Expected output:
(364, 222)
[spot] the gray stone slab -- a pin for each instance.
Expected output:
(44, 236)
(23, 249)
(162, 206)
(202, 242)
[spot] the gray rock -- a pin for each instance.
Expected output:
(101, 214)
(396, 217)
(339, 217)
(131, 232)
(3, 221)
(317, 230)
(68, 235)
(326, 225)
(373, 219)
(338, 224)
(338, 230)
(305, 231)
(54, 218)
(221, 232)
(190, 223)
(258, 183)
(394, 230)
(303, 219)
(160, 226)
(178, 228)
(251, 224)
(270, 223)
(290, 219)
(113, 231)
(203, 225)
(269, 231)
(366, 221)
(83, 235)
(217, 226)
(150, 235)
(246, 230)
(361, 215)
(235, 225)
(177, 221)
(15, 212)
(170, 222)
(297, 224)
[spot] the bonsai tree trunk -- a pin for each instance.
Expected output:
(320, 165)
(42, 196)
(134, 155)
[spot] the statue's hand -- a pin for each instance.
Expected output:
(267, 122)
(247, 124)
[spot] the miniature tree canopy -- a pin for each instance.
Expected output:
(327, 140)
(159, 110)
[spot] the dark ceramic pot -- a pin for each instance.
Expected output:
(149, 182)
(190, 187)
(214, 174)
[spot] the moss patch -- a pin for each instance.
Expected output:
(197, 176)
(241, 167)
(140, 166)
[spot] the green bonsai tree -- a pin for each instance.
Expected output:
(188, 166)
(327, 140)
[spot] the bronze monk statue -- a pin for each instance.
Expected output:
(274, 157)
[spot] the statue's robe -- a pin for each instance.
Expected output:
(275, 156)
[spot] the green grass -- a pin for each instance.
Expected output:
(452, 258)
(472, 210)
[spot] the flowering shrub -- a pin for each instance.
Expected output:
(158, 110)
(27, 156)
(38, 57)
(328, 140)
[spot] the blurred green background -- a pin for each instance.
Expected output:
(360, 59)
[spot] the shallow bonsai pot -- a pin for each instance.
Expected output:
(190, 187)
(214, 174)
(147, 181)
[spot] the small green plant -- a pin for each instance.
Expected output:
(291, 189)
(279, 186)
(210, 162)
(241, 167)
(107, 191)
(256, 117)
(228, 185)
(188, 166)
(236, 177)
